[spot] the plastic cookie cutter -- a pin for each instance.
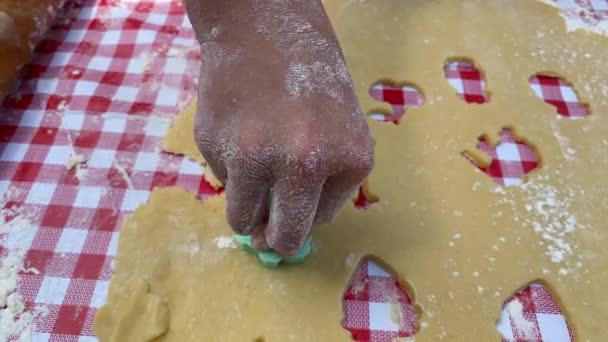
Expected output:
(270, 258)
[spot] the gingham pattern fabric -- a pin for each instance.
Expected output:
(510, 160)
(104, 84)
(560, 94)
(468, 81)
(592, 13)
(544, 320)
(376, 306)
(399, 98)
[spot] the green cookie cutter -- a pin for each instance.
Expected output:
(271, 259)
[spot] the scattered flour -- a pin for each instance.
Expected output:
(513, 314)
(223, 242)
(16, 321)
(350, 261)
(549, 212)
(564, 143)
(551, 218)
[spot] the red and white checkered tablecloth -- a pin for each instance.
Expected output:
(102, 87)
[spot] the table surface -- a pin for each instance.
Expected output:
(99, 94)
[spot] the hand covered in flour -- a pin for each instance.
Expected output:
(277, 110)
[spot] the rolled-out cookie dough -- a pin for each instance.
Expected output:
(463, 243)
(180, 140)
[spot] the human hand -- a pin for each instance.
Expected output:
(277, 110)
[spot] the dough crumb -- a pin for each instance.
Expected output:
(224, 242)
(79, 162)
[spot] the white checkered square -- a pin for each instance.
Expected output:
(100, 63)
(600, 5)
(167, 97)
(88, 197)
(87, 13)
(85, 88)
(4, 185)
(553, 328)
(72, 120)
(14, 152)
(75, 36)
(456, 84)
(114, 122)
(538, 91)
(111, 37)
(568, 94)
(100, 293)
(179, 41)
(145, 36)
(374, 270)
(40, 337)
(101, 158)
(61, 58)
(87, 339)
(41, 193)
(46, 85)
(113, 245)
(52, 290)
(31, 118)
(157, 18)
(133, 199)
(157, 126)
(504, 325)
(176, 65)
(71, 240)
(58, 155)
(508, 152)
(189, 167)
(380, 317)
(119, 13)
(146, 161)
(125, 93)
(138, 65)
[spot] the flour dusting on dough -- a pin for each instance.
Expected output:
(223, 242)
(549, 212)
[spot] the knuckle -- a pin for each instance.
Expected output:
(364, 156)
(307, 162)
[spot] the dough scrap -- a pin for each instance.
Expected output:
(180, 140)
(430, 196)
(143, 316)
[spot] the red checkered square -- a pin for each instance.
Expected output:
(399, 98)
(372, 301)
(510, 160)
(467, 80)
(533, 315)
(560, 94)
